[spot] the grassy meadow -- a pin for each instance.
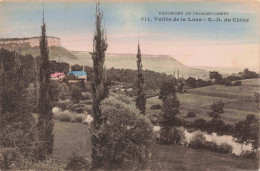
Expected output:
(239, 101)
(75, 137)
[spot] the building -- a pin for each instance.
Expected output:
(80, 75)
(57, 76)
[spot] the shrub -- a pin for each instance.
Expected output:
(236, 83)
(79, 118)
(12, 159)
(210, 145)
(155, 117)
(76, 95)
(198, 140)
(86, 96)
(156, 106)
(122, 98)
(77, 163)
(65, 116)
(79, 108)
(63, 105)
(89, 110)
(228, 83)
(191, 114)
(89, 102)
(124, 140)
(217, 126)
(249, 154)
(200, 124)
(172, 136)
(225, 148)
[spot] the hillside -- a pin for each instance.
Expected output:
(55, 53)
(159, 63)
(239, 101)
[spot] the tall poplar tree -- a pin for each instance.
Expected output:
(45, 124)
(140, 100)
(100, 90)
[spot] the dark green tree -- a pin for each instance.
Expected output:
(191, 82)
(98, 56)
(16, 122)
(170, 109)
(167, 88)
(45, 124)
(247, 131)
(214, 75)
(99, 86)
(140, 100)
(257, 100)
(216, 110)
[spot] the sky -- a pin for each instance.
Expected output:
(225, 44)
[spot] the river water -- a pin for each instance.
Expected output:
(218, 139)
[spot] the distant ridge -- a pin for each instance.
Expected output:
(158, 63)
(28, 42)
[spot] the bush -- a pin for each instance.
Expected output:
(79, 108)
(197, 140)
(156, 106)
(124, 140)
(122, 98)
(155, 117)
(76, 95)
(172, 136)
(89, 110)
(63, 105)
(200, 124)
(228, 83)
(65, 116)
(217, 126)
(86, 96)
(191, 114)
(236, 83)
(249, 154)
(225, 148)
(77, 163)
(89, 102)
(79, 118)
(12, 159)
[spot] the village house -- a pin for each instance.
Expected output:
(57, 76)
(80, 75)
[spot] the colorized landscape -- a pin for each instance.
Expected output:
(131, 85)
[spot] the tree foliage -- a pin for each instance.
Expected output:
(99, 86)
(214, 75)
(98, 57)
(17, 135)
(216, 110)
(126, 136)
(140, 100)
(45, 124)
(247, 131)
(191, 82)
(167, 88)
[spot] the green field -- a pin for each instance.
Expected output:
(239, 101)
(74, 137)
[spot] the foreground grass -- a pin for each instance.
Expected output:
(75, 137)
(177, 157)
(69, 138)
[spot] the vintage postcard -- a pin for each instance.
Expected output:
(129, 85)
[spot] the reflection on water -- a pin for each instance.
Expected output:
(218, 139)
